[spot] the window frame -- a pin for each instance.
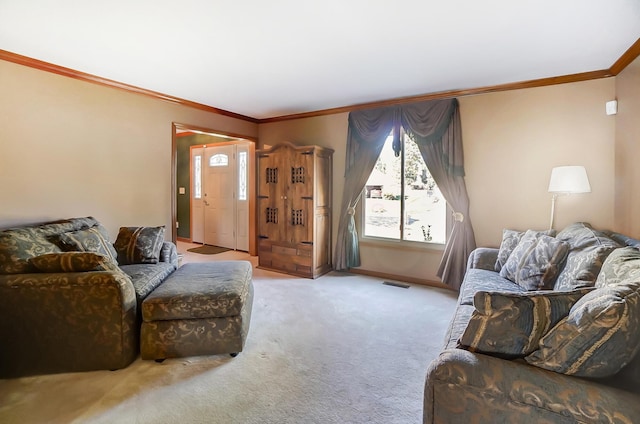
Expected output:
(399, 242)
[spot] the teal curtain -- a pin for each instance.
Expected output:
(368, 130)
(435, 126)
(436, 129)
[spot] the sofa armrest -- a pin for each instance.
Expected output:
(65, 322)
(462, 386)
(169, 253)
(483, 258)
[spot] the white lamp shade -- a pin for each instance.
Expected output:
(569, 179)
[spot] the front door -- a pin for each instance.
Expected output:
(219, 184)
(220, 195)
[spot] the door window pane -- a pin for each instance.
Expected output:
(219, 159)
(197, 177)
(242, 176)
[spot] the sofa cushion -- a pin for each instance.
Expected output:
(589, 249)
(458, 323)
(146, 277)
(511, 325)
(535, 261)
(18, 245)
(510, 239)
(139, 245)
(73, 262)
(94, 239)
(598, 338)
(623, 239)
(621, 265)
(481, 279)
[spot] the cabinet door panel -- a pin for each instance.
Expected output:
(301, 182)
(271, 208)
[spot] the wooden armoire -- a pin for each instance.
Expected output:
(294, 209)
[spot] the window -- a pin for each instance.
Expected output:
(401, 200)
(242, 176)
(197, 174)
(219, 160)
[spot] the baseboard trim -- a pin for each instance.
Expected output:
(412, 280)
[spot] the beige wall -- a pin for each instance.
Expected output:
(627, 203)
(511, 141)
(70, 148)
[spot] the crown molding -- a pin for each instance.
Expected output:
(82, 76)
(585, 76)
(627, 57)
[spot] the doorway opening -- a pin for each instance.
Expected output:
(213, 186)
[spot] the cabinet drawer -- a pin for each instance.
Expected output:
(283, 250)
(275, 256)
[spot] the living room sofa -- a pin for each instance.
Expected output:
(70, 299)
(550, 343)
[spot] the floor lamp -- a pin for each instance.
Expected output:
(567, 180)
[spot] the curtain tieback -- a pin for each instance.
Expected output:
(351, 211)
(458, 217)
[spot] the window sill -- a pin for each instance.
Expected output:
(401, 245)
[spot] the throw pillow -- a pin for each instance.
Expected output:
(73, 262)
(510, 239)
(621, 265)
(139, 245)
(535, 262)
(589, 249)
(598, 338)
(510, 325)
(88, 240)
(18, 245)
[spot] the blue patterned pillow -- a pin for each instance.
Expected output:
(535, 262)
(510, 239)
(73, 262)
(621, 265)
(139, 245)
(598, 338)
(92, 239)
(588, 251)
(510, 325)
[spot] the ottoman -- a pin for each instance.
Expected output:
(200, 309)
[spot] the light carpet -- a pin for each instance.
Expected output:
(340, 349)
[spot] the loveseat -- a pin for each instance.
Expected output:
(546, 330)
(70, 299)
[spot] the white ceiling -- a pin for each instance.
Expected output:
(271, 58)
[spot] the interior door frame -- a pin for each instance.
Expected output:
(175, 126)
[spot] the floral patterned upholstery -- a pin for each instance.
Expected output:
(510, 239)
(53, 322)
(589, 249)
(201, 309)
(511, 325)
(465, 386)
(73, 262)
(535, 261)
(139, 245)
(94, 239)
